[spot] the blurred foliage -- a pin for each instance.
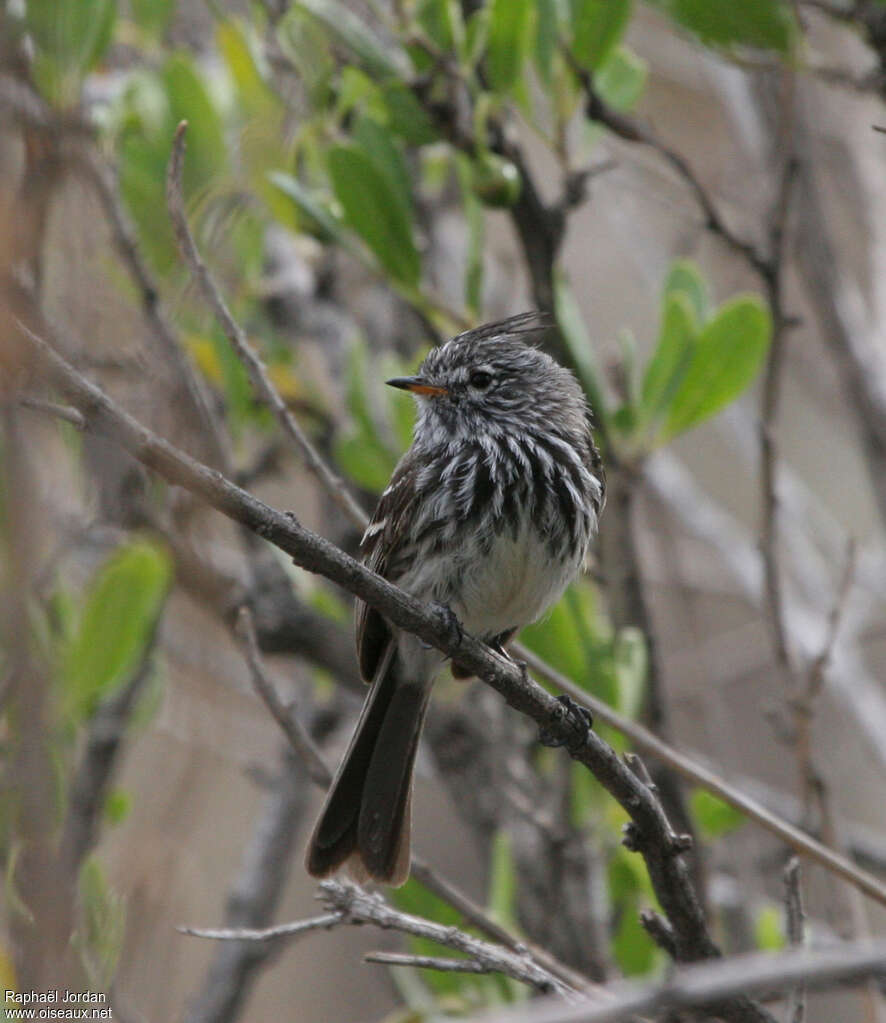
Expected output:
(392, 113)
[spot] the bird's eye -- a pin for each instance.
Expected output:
(480, 379)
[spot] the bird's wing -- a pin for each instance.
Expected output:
(381, 546)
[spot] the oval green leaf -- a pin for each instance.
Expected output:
(374, 211)
(121, 608)
(728, 355)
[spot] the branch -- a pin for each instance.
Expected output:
(315, 923)
(359, 907)
(258, 375)
(652, 834)
(440, 963)
(349, 904)
(630, 129)
(698, 986)
(295, 732)
(698, 773)
(795, 918)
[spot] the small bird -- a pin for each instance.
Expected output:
(490, 514)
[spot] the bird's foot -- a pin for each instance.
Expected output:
(454, 631)
(580, 722)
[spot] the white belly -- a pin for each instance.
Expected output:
(523, 583)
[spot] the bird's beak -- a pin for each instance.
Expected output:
(418, 385)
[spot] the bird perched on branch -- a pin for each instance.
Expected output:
(490, 514)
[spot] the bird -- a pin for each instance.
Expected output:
(490, 514)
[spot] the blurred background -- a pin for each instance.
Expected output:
(696, 190)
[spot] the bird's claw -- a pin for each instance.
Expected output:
(579, 719)
(455, 632)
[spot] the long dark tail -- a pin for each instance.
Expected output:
(366, 817)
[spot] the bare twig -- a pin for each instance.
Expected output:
(292, 727)
(357, 906)
(64, 412)
(258, 375)
(440, 963)
(795, 917)
(630, 129)
(325, 921)
(701, 985)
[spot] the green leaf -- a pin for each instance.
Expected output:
(102, 923)
(153, 16)
(475, 220)
(502, 880)
(120, 610)
(69, 37)
(728, 355)
(546, 37)
(508, 42)
(685, 277)
(382, 148)
(714, 817)
(374, 212)
(578, 341)
(627, 879)
(406, 116)
(768, 930)
(364, 461)
(632, 947)
(316, 217)
(622, 79)
(597, 26)
(631, 669)
(305, 42)
(381, 59)
(189, 100)
(763, 24)
(673, 353)
(118, 804)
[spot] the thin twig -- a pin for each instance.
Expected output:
(289, 722)
(441, 963)
(255, 368)
(698, 986)
(64, 412)
(315, 923)
(794, 919)
(630, 129)
(359, 907)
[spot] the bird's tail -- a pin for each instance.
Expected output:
(366, 818)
